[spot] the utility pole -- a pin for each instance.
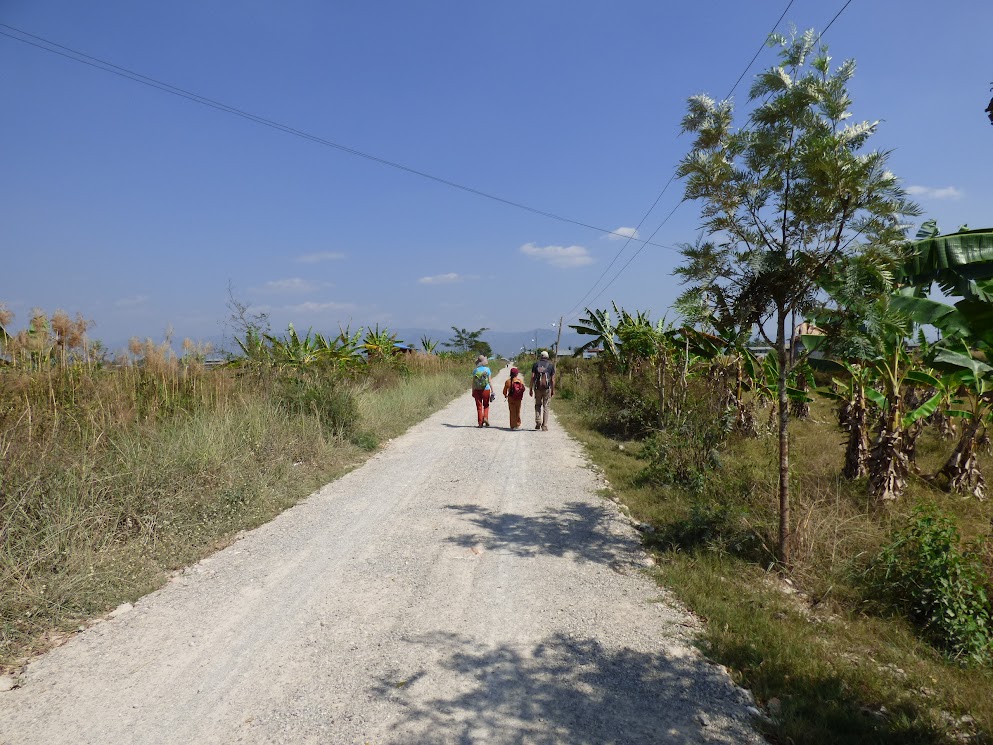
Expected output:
(559, 337)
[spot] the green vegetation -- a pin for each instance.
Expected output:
(115, 475)
(838, 552)
(831, 652)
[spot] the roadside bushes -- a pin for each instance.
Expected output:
(327, 398)
(689, 443)
(926, 572)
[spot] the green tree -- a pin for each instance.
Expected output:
(464, 340)
(783, 199)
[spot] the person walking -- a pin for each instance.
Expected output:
(482, 392)
(542, 388)
(513, 394)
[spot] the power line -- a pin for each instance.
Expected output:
(649, 241)
(137, 77)
(831, 22)
(635, 254)
(759, 50)
(671, 179)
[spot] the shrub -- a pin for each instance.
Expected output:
(327, 398)
(623, 409)
(689, 446)
(925, 572)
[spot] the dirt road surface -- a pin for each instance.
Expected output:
(463, 586)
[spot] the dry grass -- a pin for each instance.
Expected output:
(111, 478)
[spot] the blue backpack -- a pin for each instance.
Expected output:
(480, 379)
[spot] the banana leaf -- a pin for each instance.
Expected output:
(961, 413)
(877, 398)
(961, 263)
(922, 378)
(924, 410)
(963, 361)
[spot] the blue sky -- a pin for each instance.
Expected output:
(137, 208)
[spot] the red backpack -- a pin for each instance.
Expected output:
(516, 389)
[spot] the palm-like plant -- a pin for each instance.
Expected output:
(379, 344)
(597, 324)
(976, 410)
(428, 344)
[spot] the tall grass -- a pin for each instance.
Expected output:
(112, 477)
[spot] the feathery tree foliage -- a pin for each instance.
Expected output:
(466, 341)
(783, 199)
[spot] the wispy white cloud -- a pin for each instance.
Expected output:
(131, 302)
(315, 307)
(928, 192)
(293, 284)
(564, 257)
(445, 279)
(315, 258)
(621, 234)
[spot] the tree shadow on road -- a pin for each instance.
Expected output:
(562, 690)
(578, 530)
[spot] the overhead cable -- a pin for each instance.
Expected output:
(77, 56)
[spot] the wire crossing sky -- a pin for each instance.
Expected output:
(137, 209)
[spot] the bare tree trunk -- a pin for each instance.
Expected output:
(783, 549)
(962, 467)
(801, 409)
(857, 450)
(888, 464)
(660, 382)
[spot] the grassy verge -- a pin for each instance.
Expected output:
(110, 480)
(826, 667)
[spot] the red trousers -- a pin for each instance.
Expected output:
(515, 412)
(482, 406)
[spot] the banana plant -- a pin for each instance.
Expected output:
(852, 394)
(428, 344)
(732, 364)
(889, 458)
(976, 410)
(967, 329)
(293, 350)
(379, 344)
(597, 324)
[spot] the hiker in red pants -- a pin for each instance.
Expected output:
(513, 394)
(482, 392)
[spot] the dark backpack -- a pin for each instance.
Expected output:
(542, 377)
(480, 379)
(516, 389)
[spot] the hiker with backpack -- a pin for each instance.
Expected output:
(542, 388)
(482, 392)
(513, 394)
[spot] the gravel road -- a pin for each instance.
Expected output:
(463, 586)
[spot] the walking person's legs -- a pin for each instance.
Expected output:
(515, 413)
(546, 400)
(478, 397)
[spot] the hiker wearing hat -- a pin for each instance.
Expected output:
(482, 392)
(513, 394)
(542, 388)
